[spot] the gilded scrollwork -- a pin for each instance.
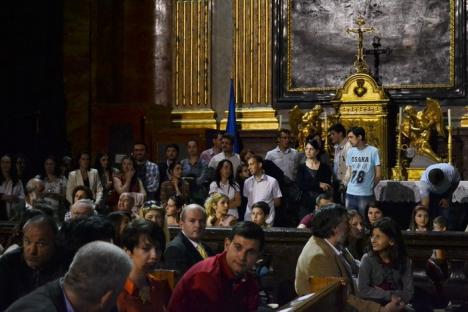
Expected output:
(305, 124)
(417, 127)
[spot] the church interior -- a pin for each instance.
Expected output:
(104, 76)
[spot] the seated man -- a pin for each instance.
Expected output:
(126, 203)
(92, 283)
(321, 257)
(186, 248)
(223, 282)
(36, 263)
(322, 200)
(34, 189)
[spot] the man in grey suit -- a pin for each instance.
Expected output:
(186, 248)
(93, 282)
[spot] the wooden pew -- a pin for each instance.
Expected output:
(328, 297)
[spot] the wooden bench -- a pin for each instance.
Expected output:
(327, 296)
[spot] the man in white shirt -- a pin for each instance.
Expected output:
(227, 153)
(261, 187)
(337, 134)
(283, 156)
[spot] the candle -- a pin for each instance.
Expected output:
(449, 119)
(400, 118)
(280, 121)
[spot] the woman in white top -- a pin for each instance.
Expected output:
(224, 183)
(11, 188)
(54, 183)
(86, 176)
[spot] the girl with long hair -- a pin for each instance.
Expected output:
(224, 183)
(385, 270)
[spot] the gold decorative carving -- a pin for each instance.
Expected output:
(414, 174)
(366, 109)
(305, 124)
(192, 63)
(256, 118)
(464, 119)
(252, 51)
(193, 119)
(418, 126)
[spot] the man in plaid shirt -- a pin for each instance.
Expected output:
(147, 171)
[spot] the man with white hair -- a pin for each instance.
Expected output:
(82, 208)
(93, 282)
(34, 189)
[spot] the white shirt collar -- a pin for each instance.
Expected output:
(194, 243)
(337, 252)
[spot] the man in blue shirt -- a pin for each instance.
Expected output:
(363, 172)
(438, 183)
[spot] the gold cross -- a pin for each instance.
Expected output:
(360, 64)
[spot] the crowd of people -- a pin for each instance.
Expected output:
(62, 211)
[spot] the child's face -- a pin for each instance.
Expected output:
(421, 218)
(222, 206)
(374, 214)
(438, 228)
(380, 241)
(245, 172)
(171, 208)
(258, 216)
(155, 217)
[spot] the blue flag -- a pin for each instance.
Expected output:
(231, 126)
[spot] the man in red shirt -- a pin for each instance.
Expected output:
(223, 282)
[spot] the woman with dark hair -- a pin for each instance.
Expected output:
(120, 220)
(128, 181)
(224, 183)
(54, 183)
(175, 185)
(144, 242)
(385, 270)
(173, 208)
(11, 188)
(313, 178)
(84, 175)
(373, 213)
(107, 173)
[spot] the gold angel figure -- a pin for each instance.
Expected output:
(305, 124)
(417, 127)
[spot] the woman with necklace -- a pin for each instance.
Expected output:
(144, 242)
(313, 178)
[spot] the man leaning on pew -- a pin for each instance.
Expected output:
(321, 257)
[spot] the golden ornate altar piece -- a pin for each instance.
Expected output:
(362, 102)
(305, 124)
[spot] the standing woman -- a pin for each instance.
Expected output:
(86, 176)
(313, 178)
(11, 188)
(54, 183)
(175, 185)
(128, 181)
(106, 172)
(224, 183)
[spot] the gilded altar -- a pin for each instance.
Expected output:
(362, 102)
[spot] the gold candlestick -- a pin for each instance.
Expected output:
(397, 171)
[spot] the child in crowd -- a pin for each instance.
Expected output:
(144, 242)
(357, 239)
(173, 209)
(157, 215)
(374, 213)
(217, 206)
(260, 212)
(420, 220)
(385, 270)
